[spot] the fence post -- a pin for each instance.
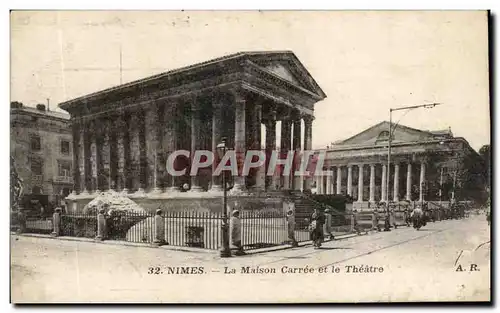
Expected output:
(101, 226)
(56, 218)
(159, 238)
(22, 221)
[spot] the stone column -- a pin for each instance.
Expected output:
(216, 139)
(256, 121)
(308, 147)
(99, 142)
(339, 180)
(422, 180)
(408, 182)
(239, 141)
(296, 146)
(153, 145)
(134, 153)
(76, 152)
(87, 160)
(329, 182)
(349, 180)
(319, 184)
(171, 142)
(143, 161)
(195, 141)
(360, 183)
(372, 183)
(121, 129)
(83, 156)
(396, 182)
(106, 155)
(285, 147)
(384, 183)
(94, 160)
(270, 123)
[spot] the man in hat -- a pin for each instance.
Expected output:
(290, 222)
(235, 226)
(327, 227)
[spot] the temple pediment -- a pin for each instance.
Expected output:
(379, 134)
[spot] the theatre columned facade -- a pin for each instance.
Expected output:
(123, 135)
(425, 166)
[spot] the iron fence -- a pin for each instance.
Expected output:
(38, 225)
(193, 229)
(79, 225)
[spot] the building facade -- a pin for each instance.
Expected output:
(123, 135)
(425, 166)
(41, 146)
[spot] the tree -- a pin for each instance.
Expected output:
(485, 154)
(16, 185)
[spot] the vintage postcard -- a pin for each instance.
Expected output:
(250, 157)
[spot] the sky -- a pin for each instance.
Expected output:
(365, 61)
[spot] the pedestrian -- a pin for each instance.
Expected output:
(375, 225)
(355, 226)
(235, 225)
(290, 222)
(316, 227)
(327, 227)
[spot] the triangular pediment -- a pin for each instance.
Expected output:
(287, 66)
(282, 71)
(379, 134)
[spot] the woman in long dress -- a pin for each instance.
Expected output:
(316, 227)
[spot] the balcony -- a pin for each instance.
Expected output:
(63, 179)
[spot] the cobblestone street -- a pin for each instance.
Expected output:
(451, 256)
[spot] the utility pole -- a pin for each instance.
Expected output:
(391, 131)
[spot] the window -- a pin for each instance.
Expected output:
(36, 144)
(36, 166)
(65, 147)
(384, 135)
(64, 168)
(36, 190)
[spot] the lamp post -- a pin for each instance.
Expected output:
(225, 251)
(391, 130)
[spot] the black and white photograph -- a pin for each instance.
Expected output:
(250, 156)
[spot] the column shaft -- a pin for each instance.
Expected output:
(396, 183)
(121, 130)
(408, 182)
(384, 183)
(285, 148)
(296, 145)
(259, 172)
(339, 180)
(372, 183)
(272, 182)
(360, 183)
(422, 180)
(239, 141)
(349, 180)
(216, 139)
(308, 147)
(195, 142)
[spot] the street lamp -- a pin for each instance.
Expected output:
(225, 251)
(391, 130)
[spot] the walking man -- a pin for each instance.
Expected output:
(235, 226)
(290, 222)
(327, 228)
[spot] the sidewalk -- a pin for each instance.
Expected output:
(178, 248)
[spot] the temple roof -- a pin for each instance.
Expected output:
(283, 64)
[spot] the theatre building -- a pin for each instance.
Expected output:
(425, 166)
(123, 135)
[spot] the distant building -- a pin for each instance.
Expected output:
(41, 145)
(425, 165)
